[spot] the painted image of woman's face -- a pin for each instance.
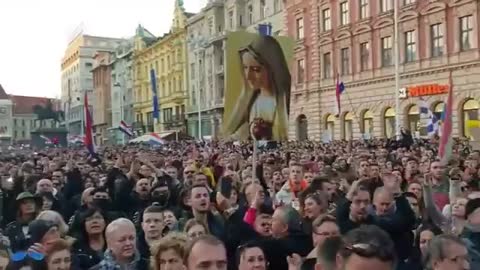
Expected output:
(255, 73)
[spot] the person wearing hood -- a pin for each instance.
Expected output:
(18, 231)
(122, 252)
(264, 99)
(471, 232)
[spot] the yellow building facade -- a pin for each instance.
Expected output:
(166, 55)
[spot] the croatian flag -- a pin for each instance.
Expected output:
(340, 87)
(125, 128)
(88, 140)
(432, 121)
(446, 142)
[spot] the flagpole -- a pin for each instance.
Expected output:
(199, 115)
(397, 72)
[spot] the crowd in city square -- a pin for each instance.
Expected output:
(364, 204)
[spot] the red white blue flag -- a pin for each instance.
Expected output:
(340, 87)
(446, 141)
(88, 140)
(126, 128)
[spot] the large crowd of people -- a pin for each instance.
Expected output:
(366, 204)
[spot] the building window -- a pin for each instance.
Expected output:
(470, 112)
(364, 56)
(326, 20)
(344, 13)
(250, 14)
(389, 123)
(386, 5)
(327, 65)
(367, 123)
(413, 118)
(345, 58)
(300, 33)
(192, 71)
(386, 51)
(230, 19)
(410, 46)
(262, 9)
(466, 32)
(14, 122)
(348, 126)
(330, 126)
(364, 9)
(276, 6)
(301, 71)
(436, 36)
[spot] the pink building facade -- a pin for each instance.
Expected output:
(355, 39)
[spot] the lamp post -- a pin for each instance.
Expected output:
(119, 89)
(397, 72)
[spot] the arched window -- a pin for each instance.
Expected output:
(302, 128)
(348, 126)
(367, 122)
(330, 126)
(470, 112)
(413, 118)
(389, 123)
(438, 110)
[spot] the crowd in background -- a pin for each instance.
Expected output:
(369, 204)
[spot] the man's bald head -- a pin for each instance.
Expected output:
(44, 185)
(383, 200)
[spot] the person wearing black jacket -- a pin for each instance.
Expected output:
(353, 212)
(91, 243)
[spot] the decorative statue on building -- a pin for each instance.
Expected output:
(47, 112)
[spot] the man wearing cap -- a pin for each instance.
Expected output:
(17, 231)
(471, 232)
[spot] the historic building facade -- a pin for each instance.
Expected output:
(77, 78)
(121, 92)
(167, 56)
(355, 39)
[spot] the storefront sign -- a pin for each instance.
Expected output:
(427, 90)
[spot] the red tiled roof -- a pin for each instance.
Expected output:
(3, 94)
(24, 104)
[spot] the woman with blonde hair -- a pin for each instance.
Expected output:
(168, 252)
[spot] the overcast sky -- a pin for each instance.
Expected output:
(35, 33)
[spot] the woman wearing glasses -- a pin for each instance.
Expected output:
(91, 244)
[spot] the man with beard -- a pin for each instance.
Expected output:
(152, 229)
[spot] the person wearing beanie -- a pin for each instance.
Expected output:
(42, 234)
(471, 232)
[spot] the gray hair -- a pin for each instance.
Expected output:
(436, 248)
(116, 224)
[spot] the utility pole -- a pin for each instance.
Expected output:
(397, 72)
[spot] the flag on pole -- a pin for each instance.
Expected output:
(340, 87)
(88, 140)
(126, 128)
(446, 142)
(153, 81)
